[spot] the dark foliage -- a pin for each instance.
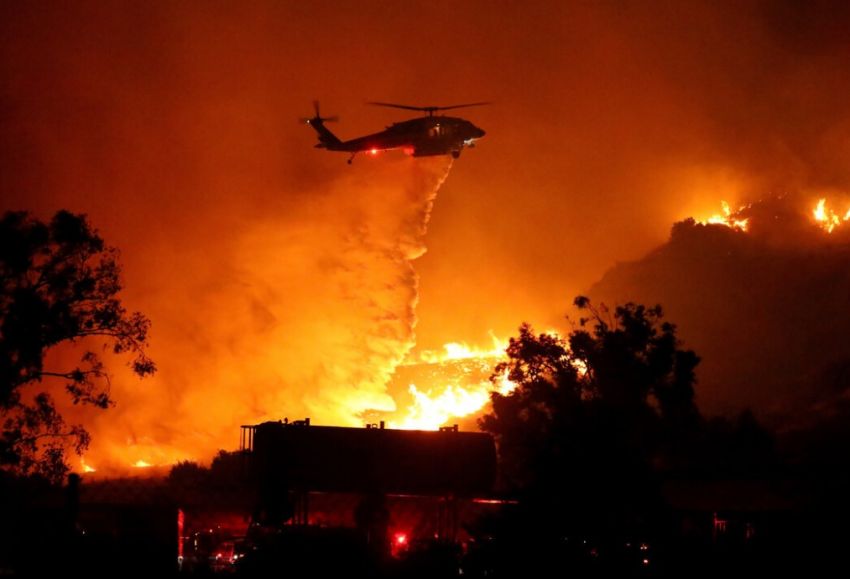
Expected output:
(60, 286)
(188, 474)
(594, 417)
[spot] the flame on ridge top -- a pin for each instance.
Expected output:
(729, 218)
(826, 218)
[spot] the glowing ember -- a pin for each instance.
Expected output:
(729, 218)
(86, 468)
(828, 219)
(142, 464)
(580, 366)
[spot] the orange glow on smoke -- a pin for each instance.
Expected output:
(729, 218)
(328, 317)
(282, 282)
(826, 218)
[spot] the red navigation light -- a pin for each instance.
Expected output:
(373, 151)
(399, 544)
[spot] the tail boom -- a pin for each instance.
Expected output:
(327, 140)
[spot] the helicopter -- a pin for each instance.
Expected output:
(420, 137)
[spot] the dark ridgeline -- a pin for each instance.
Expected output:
(766, 309)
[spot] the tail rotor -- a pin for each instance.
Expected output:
(318, 119)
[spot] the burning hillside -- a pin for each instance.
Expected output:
(761, 294)
(758, 291)
(437, 387)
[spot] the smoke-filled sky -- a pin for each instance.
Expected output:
(271, 269)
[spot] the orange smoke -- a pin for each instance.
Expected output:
(276, 286)
(320, 323)
(306, 314)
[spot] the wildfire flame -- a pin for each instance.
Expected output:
(461, 351)
(826, 218)
(729, 218)
(431, 410)
(449, 383)
(434, 407)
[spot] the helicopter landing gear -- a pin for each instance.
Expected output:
(351, 158)
(455, 154)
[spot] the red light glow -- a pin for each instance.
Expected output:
(373, 151)
(398, 544)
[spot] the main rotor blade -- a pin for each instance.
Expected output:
(430, 110)
(464, 105)
(395, 106)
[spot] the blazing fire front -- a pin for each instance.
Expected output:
(432, 388)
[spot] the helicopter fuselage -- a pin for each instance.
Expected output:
(424, 136)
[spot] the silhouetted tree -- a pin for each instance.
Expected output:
(60, 283)
(188, 474)
(594, 415)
